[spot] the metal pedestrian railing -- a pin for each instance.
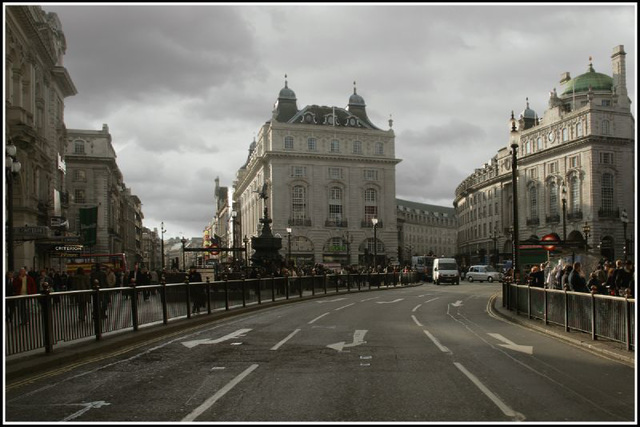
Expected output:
(44, 320)
(601, 316)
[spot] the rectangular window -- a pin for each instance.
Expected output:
(335, 173)
(574, 161)
(79, 175)
(606, 158)
(311, 144)
(370, 174)
(357, 147)
(533, 173)
(553, 167)
(298, 171)
(335, 146)
(379, 148)
(288, 143)
(79, 196)
(606, 103)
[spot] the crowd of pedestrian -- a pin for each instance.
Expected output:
(607, 278)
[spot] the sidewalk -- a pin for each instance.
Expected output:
(601, 346)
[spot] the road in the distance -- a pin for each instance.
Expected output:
(417, 354)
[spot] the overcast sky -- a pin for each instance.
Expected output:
(184, 88)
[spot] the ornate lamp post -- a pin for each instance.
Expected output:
(234, 218)
(586, 229)
(374, 221)
(184, 242)
(246, 251)
(162, 231)
(514, 179)
(625, 220)
(12, 167)
(289, 247)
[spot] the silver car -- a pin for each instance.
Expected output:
(482, 273)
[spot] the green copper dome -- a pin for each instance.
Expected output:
(597, 81)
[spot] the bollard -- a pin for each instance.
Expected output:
(188, 296)
(273, 287)
(208, 296)
(134, 304)
(286, 285)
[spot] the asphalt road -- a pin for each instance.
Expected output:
(420, 354)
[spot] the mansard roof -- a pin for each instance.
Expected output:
(322, 115)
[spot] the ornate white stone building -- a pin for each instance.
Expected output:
(576, 174)
(328, 172)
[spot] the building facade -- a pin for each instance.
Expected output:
(575, 168)
(36, 83)
(425, 229)
(95, 180)
(326, 173)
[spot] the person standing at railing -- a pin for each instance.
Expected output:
(105, 298)
(8, 287)
(624, 280)
(566, 272)
(198, 290)
(577, 281)
(81, 282)
(24, 285)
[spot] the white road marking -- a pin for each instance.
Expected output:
(517, 416)
(436, 342)
(416, 307)
(319, 317)
(288, 337)
(368, 299)
(511, 345)
(432, 299)
(358, 339)
(344, 306)
(236, 334)
(224, 390)
(457, 303)
(331, 300)
(389, 302)
(416, 320)
(87, 407)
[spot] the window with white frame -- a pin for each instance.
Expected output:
(298, 171)
(606, 158)
(605, 127)
(539, 144)
(579, 129)
(312, 144)
(80, 175)
(379, 148)
(298, 202)
(335, 173)
(574, 161)
(357, 147)
(370, 174)
(607, 192)
(80, 196)
(553, 167)
(370, 204)
(565, 134)
(288, 143)
(78, 147)
(335, 146)
(533, 202)
(553, 199)
(335, 204)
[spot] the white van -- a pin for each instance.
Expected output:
(445, 270)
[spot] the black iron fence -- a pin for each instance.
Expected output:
(52, 318)
(602, 316)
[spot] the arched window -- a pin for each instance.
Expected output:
(607, 192)
(298, 203)
(335, 204)
(370, 204)
(533, 202)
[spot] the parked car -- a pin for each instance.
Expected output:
(482, 273)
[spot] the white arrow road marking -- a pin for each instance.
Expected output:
(87, 406)
(513, 346)
(358, 338)
(331, 300)
(389, 302)
(457, 303)
(236, 334)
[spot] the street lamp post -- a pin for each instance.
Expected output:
(246, 251)
(162, 231)
(625, 220)
(12, 167)
(514, 179)
(564, 214)
(184, 265)
(374, 221)
(234, 216)
(289, 247)
(586, 229)
(494, 237)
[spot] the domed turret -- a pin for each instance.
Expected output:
(357, 106)
(590, 79)
(286, 106)
(355, 99)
